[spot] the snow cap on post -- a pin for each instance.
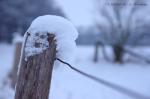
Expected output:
(63, 30)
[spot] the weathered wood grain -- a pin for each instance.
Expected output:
(35, 74)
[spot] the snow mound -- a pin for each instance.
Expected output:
(65, 35)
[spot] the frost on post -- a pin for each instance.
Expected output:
(36, 43)
(47, 37)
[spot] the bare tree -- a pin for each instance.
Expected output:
(120, 23)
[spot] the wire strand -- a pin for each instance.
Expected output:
(116, 87)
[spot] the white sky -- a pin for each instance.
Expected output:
(78, 11)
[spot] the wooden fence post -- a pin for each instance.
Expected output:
(13, 73)
(35, 74)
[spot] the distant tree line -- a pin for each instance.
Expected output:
(16, 15)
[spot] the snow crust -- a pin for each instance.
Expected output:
(65, 35)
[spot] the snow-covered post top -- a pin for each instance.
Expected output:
(65, 36)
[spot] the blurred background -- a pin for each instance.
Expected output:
(113, 43)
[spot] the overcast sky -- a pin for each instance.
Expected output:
(78, 11)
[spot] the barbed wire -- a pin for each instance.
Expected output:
(116, 87)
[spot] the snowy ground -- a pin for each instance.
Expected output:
(67, 84)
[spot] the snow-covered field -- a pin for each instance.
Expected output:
(67, 84)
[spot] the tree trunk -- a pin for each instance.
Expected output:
(13, 73)
(96, 51)
(118, 53)
(35, 74)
